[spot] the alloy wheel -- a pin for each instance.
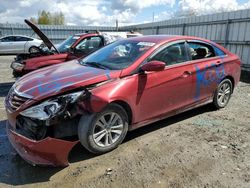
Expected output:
(108, 129)
(224, 93)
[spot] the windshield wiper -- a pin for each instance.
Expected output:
(94, 64)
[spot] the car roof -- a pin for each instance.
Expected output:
(154, 38)
(161, 39)
(164, 38)
(17, 36)
(80, 34)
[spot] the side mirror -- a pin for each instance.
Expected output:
(153, 66)
(71, 50)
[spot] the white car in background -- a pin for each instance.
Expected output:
(15, 44)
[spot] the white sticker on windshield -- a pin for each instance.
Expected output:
(76, 37)
(146, 44)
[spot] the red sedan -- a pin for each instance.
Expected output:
(125, 85)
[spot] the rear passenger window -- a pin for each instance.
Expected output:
(200, 50)
(21, 39)
(171, 55)
(219, 52)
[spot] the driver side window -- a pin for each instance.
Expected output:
(172, 54)
(89, 44)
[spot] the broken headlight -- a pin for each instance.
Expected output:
(17, 65)
(49, 108)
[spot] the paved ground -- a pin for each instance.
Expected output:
(199, 148)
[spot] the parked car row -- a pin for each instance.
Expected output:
(76, 46)
(15, 44)
(122, 86)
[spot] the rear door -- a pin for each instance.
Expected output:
(164, 91)
(19, 44)
(208, 69)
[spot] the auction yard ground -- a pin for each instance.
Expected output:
(199, 148)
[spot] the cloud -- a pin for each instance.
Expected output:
(105, 12)
(135, 5)
(94, 12)
(26, 3)
(202, 7)
(126, 10)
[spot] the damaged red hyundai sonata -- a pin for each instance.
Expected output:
(123, 86)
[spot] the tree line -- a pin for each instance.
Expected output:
(47, 18)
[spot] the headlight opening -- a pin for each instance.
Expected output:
(54, 107)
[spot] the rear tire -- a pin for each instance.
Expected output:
(104, 131)
(223, 94)
(34, 49)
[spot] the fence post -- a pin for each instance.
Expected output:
(157, 30)
(12, 30)
(227, 32)
(183, 29)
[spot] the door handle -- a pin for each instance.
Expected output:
(218, 63)
(186, 74)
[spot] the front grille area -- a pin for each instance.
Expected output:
(15, 100)
(30, 128)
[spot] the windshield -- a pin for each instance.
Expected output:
(65, 45)
(118, 55)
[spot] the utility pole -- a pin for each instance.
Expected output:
(153, 19)
(116, 24)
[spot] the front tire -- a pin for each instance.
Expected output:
(34, 49)
(17, 74)
(104, 131)
(223, 94)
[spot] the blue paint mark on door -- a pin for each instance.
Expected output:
(205, 77)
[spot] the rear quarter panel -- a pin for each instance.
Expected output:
(232, 65)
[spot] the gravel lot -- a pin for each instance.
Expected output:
(199, 148)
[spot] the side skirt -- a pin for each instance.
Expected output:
(171, 113)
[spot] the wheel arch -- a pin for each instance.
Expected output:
(126, 107)
(32, 46)
(231, 79)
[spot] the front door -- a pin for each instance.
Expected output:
(164, 91)
(87, 46)
(19, 44)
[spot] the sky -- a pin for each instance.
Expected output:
(105, 12)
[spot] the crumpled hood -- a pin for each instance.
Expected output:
(37, 62)
(56, 79)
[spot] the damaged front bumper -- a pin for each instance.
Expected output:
(48, 151)
(45, 133)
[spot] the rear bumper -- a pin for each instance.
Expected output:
(49, 151)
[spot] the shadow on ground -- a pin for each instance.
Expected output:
(15, 171)
(4, 88)
(245, 77)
